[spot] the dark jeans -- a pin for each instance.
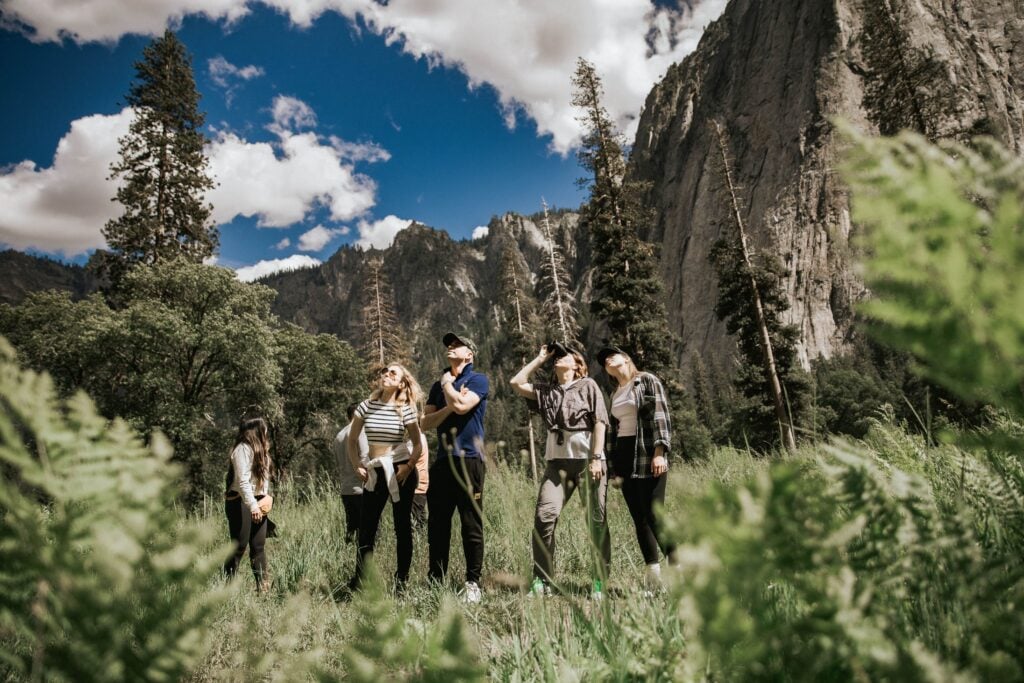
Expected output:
(456, 484)
(369, 521)
(353, 505)
(246, 534)
(641, 496)
(419, 510)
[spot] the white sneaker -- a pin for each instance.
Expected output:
(471, 595)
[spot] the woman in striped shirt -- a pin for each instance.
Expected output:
(390, 418)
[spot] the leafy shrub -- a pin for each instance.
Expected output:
(92, 586)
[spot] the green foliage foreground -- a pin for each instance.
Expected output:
(889, 558)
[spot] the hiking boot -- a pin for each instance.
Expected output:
(471, 594)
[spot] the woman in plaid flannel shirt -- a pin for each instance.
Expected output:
(640, 438)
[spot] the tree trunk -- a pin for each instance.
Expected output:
(785, 428)
(559, 304)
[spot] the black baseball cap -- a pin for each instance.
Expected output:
(450, 337)
(607, 351)
(559, 349)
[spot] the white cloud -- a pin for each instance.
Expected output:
(283, 244)
(319, 237)
(480, 232)
(526, 50)
(107, 20)
(64, 207)
(282, 182)
(291, 113)
(380, 234)
(359, 151)
(277, 265)
(226, 75)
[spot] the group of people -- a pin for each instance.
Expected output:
(383, 457)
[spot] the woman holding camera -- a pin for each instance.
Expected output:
(574, 413)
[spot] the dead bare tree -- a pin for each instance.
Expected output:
(556, 294)
(771, 371)
(382, 338)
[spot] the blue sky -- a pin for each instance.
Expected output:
(331, 121)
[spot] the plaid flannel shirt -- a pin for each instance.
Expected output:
(654, 426)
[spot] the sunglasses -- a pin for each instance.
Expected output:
(389, 372)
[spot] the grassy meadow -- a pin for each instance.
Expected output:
(516, 637)
(825, 564)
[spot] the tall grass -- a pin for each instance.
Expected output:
(516, 637)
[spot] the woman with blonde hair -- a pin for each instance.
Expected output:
(247, 498)
(574, 413)
(390, 418)
(640, 439)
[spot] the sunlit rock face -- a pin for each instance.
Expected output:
(776, 73)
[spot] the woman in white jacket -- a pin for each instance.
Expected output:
(247, 498)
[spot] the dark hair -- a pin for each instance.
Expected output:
(255, 433)
(351, 410)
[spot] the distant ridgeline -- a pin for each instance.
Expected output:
(21, 274)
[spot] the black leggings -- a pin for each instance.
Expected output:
(245, 533)
(353, 504)
(641, 496)
(369, 521)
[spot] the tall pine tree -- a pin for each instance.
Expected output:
(162, 167)
(628, 294)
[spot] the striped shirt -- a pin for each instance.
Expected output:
(385, 423)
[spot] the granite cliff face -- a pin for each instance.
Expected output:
(776, 73)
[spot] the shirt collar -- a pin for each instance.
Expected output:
(466, 369)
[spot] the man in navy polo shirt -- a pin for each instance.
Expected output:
(456, 407)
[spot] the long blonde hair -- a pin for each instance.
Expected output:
(409, 392)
